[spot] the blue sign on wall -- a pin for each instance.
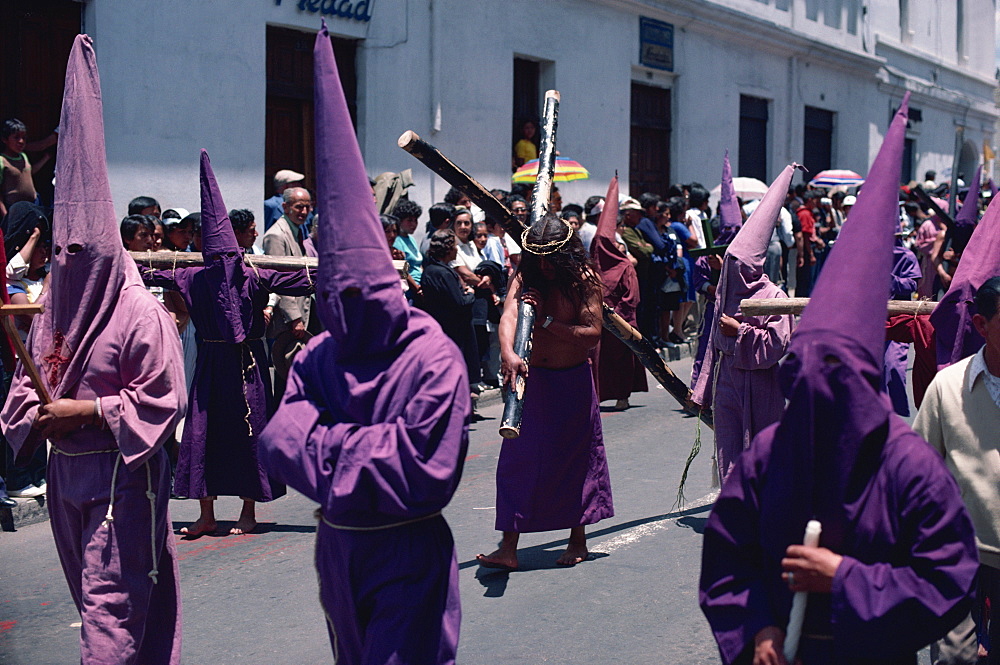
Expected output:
(656, 44)
(359, 10)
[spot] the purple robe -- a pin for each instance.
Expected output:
(905, 277)
(230, 400)
(373, 424)
(103, 336)
(702, 276)
(555, 474)
(617, 371)
(136, 370)
(379, 444)
(738, 378)
(922, 559)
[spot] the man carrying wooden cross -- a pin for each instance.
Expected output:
(555, 475)
(110, 357)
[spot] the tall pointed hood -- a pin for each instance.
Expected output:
(358, 293)
(730, 218)
(224, 267)
(955, 336)
(604, 248)
(837, 411)
(742, 277)
(847, 301)
(965, 220)
(217, 235)
(749, 247)
(89, 265)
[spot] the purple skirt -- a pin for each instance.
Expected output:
(555, 475)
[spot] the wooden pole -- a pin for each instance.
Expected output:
(169, 260)
(782, 306)
(652, 361)
(7, 312)
(432, 158)
(513, 396)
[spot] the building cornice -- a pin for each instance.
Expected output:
(740, 28)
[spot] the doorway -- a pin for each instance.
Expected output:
(649, 155)
(289, 131)
(35, 40)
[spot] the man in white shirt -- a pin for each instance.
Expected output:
(960, 417)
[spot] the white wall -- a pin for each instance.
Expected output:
(188, 74)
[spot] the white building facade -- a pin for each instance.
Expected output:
(656, 90)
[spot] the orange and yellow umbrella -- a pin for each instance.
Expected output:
(566, 171)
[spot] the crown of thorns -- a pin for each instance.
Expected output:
(544, 248)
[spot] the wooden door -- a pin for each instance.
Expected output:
(649, 161)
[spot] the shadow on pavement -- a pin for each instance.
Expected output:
(696, 524)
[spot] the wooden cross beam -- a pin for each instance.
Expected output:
(7, 314)
(783, 306)
(170, 260)
(433, 159)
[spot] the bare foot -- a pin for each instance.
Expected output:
(498, 559)
(573, 555)
(244, 525)
(199, 528)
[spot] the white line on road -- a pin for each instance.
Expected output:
(635, 534)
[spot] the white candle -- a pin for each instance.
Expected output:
(798, 614)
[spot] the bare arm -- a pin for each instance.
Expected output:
(510, 363)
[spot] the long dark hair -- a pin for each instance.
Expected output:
(575, 274)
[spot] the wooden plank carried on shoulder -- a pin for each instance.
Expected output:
(783, 306)
(170, 260)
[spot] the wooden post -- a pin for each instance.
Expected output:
(432, 158)
(7, 312)
(783, 306)
(647, 354)
(513, 396)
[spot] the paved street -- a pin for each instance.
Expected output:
(253, 599)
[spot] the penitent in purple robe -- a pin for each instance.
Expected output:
(373, 425)
(739, 375)
(230, 400)
(905, 277)
(886, 502)
(730, 222)
(103, 336)
(618, 372)
(955, 336)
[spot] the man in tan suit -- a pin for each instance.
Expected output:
(284, 238)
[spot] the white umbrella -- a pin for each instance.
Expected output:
(747, 189)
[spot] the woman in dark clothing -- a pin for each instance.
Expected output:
(448, 300)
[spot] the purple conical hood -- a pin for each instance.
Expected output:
(358, 292)
(730, 218)
(838, 414)
(848, 300)
(965, 220)
(217, 235)
(89, 265)
(749, 247)
(955, 336)
(224, 269)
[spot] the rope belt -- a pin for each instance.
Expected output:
(109, 516)
(383, 527)
(249, 365)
